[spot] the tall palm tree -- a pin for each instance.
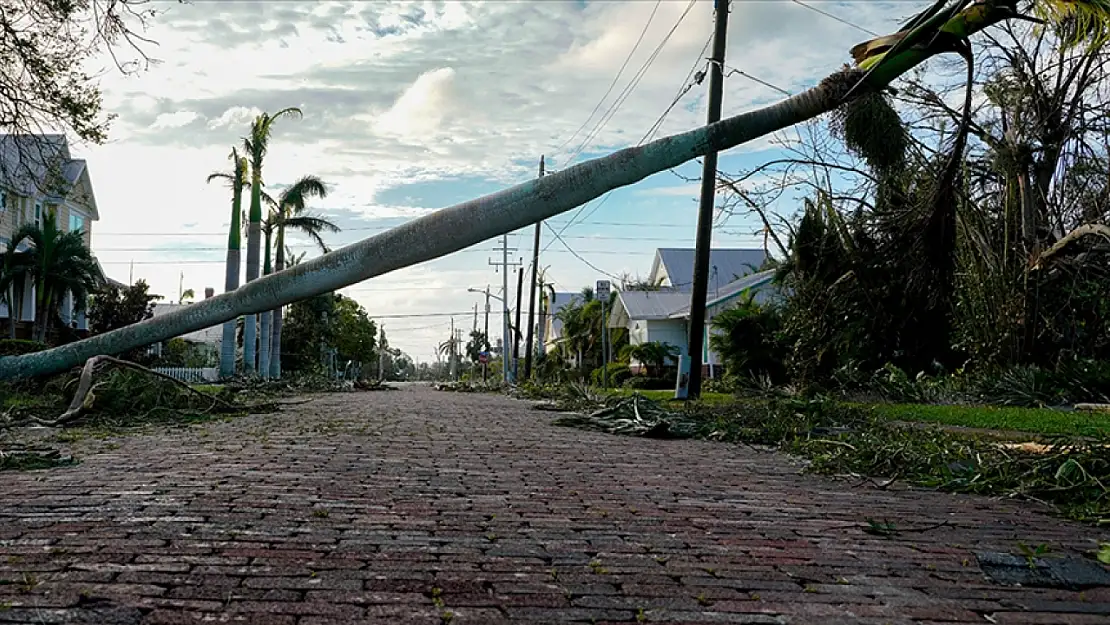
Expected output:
(58, 263)
(237, 180)
(256, 146)
(471, 222)
(289, 212)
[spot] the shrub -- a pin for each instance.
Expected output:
(618, 374)
(644, 383)
(18, 347)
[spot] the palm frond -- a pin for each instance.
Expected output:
(1080, 20)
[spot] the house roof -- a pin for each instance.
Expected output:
(725, 266)
(669, 304)
(26, 163)
(645, 305)
(730, 292)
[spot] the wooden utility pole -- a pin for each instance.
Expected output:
(485, 365)
(532, 295)
(705, 207)
(516, 332)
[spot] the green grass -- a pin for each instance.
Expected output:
(1033, 420)
(668, 396)
(214, 389)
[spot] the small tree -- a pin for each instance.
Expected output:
(653, 355)
(115, 307)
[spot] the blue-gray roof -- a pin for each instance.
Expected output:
(725, 266)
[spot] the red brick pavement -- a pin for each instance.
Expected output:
(423, 507)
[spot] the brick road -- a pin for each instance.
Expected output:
(417, 506)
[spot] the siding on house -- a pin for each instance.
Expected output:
(20, 194)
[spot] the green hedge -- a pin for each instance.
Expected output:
(18, 347)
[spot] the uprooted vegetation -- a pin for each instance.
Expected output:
(109, 394)
(1068, 474)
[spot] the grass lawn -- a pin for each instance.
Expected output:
(209, 388)
(668, 396)
(1033, 420)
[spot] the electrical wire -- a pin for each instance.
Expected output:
(836, 18)
(630, 87)
(616, 78)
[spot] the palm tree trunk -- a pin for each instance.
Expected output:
(227, 342)
(275, 341)
(264, 323)
(469, 223)
(15, 306)
(254, 245)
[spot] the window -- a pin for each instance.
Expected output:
(38, 214)
(76, 222)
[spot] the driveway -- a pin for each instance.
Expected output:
(417, 506)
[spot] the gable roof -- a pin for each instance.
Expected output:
(645, 305)
(732, 291)
(676, 266)
(42, 164)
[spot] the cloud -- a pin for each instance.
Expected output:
(417, 115)
(235, 116)
(174, 120)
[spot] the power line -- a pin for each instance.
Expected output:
(579, 256)
(615, 78)
(836, 18)
(631, 86)
(623, 224)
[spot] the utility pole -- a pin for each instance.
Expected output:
(532, 295)
(381, 354)
(705, 209)
(505, 264)
(516, 334)
(485, 365)
(451, 352)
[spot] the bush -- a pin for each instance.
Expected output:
(644, 383)
(618, 373)
(18, 347)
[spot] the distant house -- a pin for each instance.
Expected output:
(38, 176)
(208, 339)
(664, 315)
(550, 329)
(673, 268)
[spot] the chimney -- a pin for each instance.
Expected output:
(209, 292)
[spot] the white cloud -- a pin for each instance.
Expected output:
(174, 120)
(417, 115)
(235, 116)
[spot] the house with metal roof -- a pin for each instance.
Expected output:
(673, 268)
(664, 315)
(38, 175)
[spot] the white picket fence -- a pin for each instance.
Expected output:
(192, 375)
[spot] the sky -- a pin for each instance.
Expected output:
(410, 107)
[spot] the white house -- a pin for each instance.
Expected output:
(664, 315)
(208, 338)
(673, 268)
(38, 175)
(550, 328)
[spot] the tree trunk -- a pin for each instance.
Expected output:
(469, 223)
(254, 247)
(275, 341)
(227, 343)
(264, 323)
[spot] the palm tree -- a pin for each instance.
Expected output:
(653, 355)
(289, 212)
(469, 223)
(237, 180)
(13, 281)
(58, 263)
(256, 146)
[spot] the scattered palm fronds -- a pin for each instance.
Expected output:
(1071, 475)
